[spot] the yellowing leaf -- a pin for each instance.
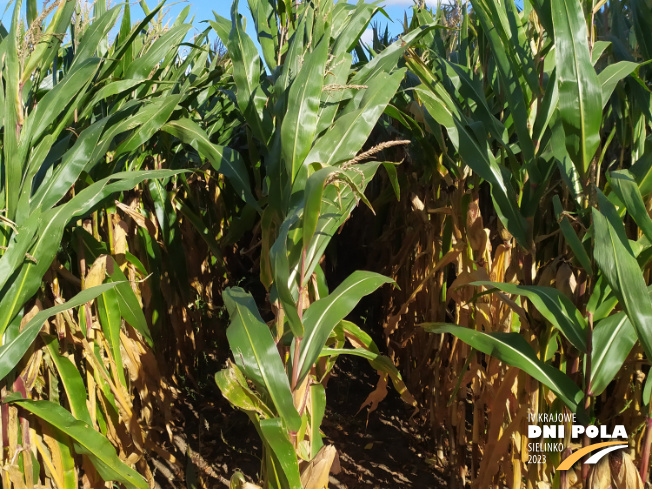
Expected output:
(97, 273)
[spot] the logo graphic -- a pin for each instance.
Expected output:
(607, 446)
(555, 430)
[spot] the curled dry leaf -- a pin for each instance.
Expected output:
(475, 226)
(138, 218)
(623, 471)
(615, 471)
(500, 263)
(600, 475)
(315, 475)
(377, 395)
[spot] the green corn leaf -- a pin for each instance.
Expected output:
(108, 308)
(477, 156)
(337, 205)
(336, 75)
(620, 268)
(388, 58)
(222, 27)
(18, 246)
(613, 339)
(143, 66)
(156, 114)
(264, 17)
(68, 467)
(224, 159)
(512, 349)
(73, 162)
(26, 280)
(351, 130)
(95, 34)
(378, 362)
(553, 305)
(99, 9)
(123, 48)
(71, 379)
(314, 191)
(53, 104)
(602, 300)
(323, 315)
(234, 388)
(316, 410)
(87, 441)
(642, 171)
(392, 174)
(647, 390)
(290, 66)
(614, 216)
(124, 297)
(624, 186)
(580, 95)
(31, 11)
(13, 106)
(546, 112)
(353, 331)
(256, 354)
(41, 57)
(599, 48)
(349, 22)
(642, 20)
(246, 74)
(300, 120)
(277, 439)
(611, 75)
(571, 237)
(286, 291)
(510, 49)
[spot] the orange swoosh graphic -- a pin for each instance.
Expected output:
(570, 461)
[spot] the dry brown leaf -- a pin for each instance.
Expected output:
(16, 476)
(623, 471)
(32, 312)
(600, 475)
(475, 226)
(500, 263)
(120, 231)
(547, 274)
(97, 273)
(565, 280)
(315, 475)
(615, 471)
(138, 218)
(460, 291)
(378, 394)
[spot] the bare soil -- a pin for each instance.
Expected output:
(385, 449)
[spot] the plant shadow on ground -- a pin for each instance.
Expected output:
(384, 450)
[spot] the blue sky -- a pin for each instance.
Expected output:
(202, 10)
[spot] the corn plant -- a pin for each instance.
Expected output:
(309, 113)
(79, 116)
(515, 107)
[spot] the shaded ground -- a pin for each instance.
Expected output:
(383, 451)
